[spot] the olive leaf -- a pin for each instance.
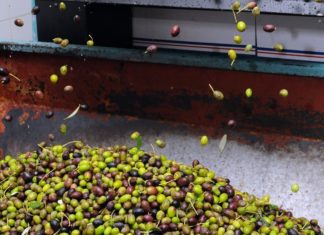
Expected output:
(26, 230)
(139, 142)
(73, 113)
(14, 193)
(35, 205)
(222, 143)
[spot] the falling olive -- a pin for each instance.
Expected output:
(76, 19)
(248, 92)
(64, 70)
(57, 40)
(269, 28)
(232, 54)
(236, 6)
(49, 114)
(231, 123)
(68, 88)
(241, 26)
(248, 47)
(237, 39)
(256, 11)
(54, 78)
(65, 42)
(8, 118)
(39, 94)
(278, 47)
(62, 6)
(204, 140)
(19, 22)
(90, 42)
(4, 72)
(251, 5)
(160, 143)
(294, 188)
(151, 49)
(5, 80)
(35, 10)
(283, 92)
(175, 30)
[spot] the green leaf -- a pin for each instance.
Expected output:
(139, 142)
(35, 205)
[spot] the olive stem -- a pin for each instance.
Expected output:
(242, 9)
(211, 88)
(71, 142)
(153, 149)
(48, 173)
(15, 77)
(57, 232)
(193, 207)
(234, 14)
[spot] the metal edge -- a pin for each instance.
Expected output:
(34, 23)
(295, 7)
(175, 57)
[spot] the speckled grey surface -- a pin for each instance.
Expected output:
(300, 7)
(250, 168)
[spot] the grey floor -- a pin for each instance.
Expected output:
(250, 168)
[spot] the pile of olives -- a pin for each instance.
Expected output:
(77, 189)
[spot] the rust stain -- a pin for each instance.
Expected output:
(23, 118)
(171, 93)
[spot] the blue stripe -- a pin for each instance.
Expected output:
(191, 43)
(227, 45)
(34, 24)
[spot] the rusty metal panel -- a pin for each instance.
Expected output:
(169, 92)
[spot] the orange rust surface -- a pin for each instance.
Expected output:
(172, 93)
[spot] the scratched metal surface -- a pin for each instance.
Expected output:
(298, 7)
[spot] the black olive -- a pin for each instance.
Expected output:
(26, 176)
(55, 224)
(77, 155)
(155, 231)
(292, 231)
(76, 18)
(145, 158)
(49, 114)
(60, 192)
(138, 211)
(97, 222)
(8, 118)
(66, 155)
(5, 80)
(28, 218)
(133, 173)
(4, 72)
(119, 225)
(111, 164)
(175, 203)
(35, 10)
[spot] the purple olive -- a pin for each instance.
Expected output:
(175, 30)
(269, 28)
